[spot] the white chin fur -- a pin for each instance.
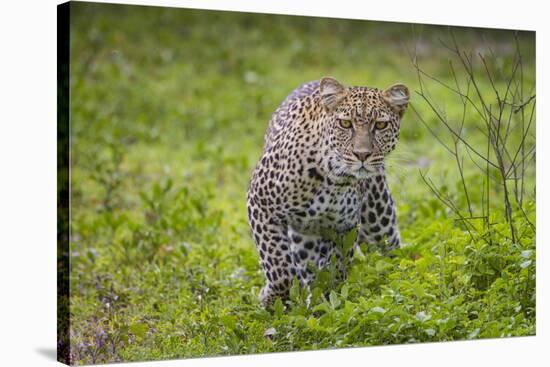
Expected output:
(362, 173)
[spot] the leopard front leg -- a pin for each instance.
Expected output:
(311, 251)
(275, 255)
(378, 216)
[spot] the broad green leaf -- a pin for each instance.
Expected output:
(349, 240)
(334, 300)
(278, 307)
(422, 316)
(525, 263)
(430, 332)
(382, 265)
(473, 334)
(378, 309)
(139, 329)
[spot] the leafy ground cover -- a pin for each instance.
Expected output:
(168, 111)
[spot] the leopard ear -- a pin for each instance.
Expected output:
(397, 97)
(332, 92)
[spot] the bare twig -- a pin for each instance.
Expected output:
(502, 114)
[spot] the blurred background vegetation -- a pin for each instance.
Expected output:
(168, 110)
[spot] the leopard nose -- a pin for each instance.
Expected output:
(362, 155)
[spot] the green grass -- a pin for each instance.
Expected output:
(168, 111)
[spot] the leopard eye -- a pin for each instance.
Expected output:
(381, 125)
(346, 124)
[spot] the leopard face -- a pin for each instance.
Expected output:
(361, 127)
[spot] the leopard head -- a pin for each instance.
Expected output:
(360, 126)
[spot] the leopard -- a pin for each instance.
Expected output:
(322, 170)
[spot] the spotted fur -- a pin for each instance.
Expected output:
(322, 168)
